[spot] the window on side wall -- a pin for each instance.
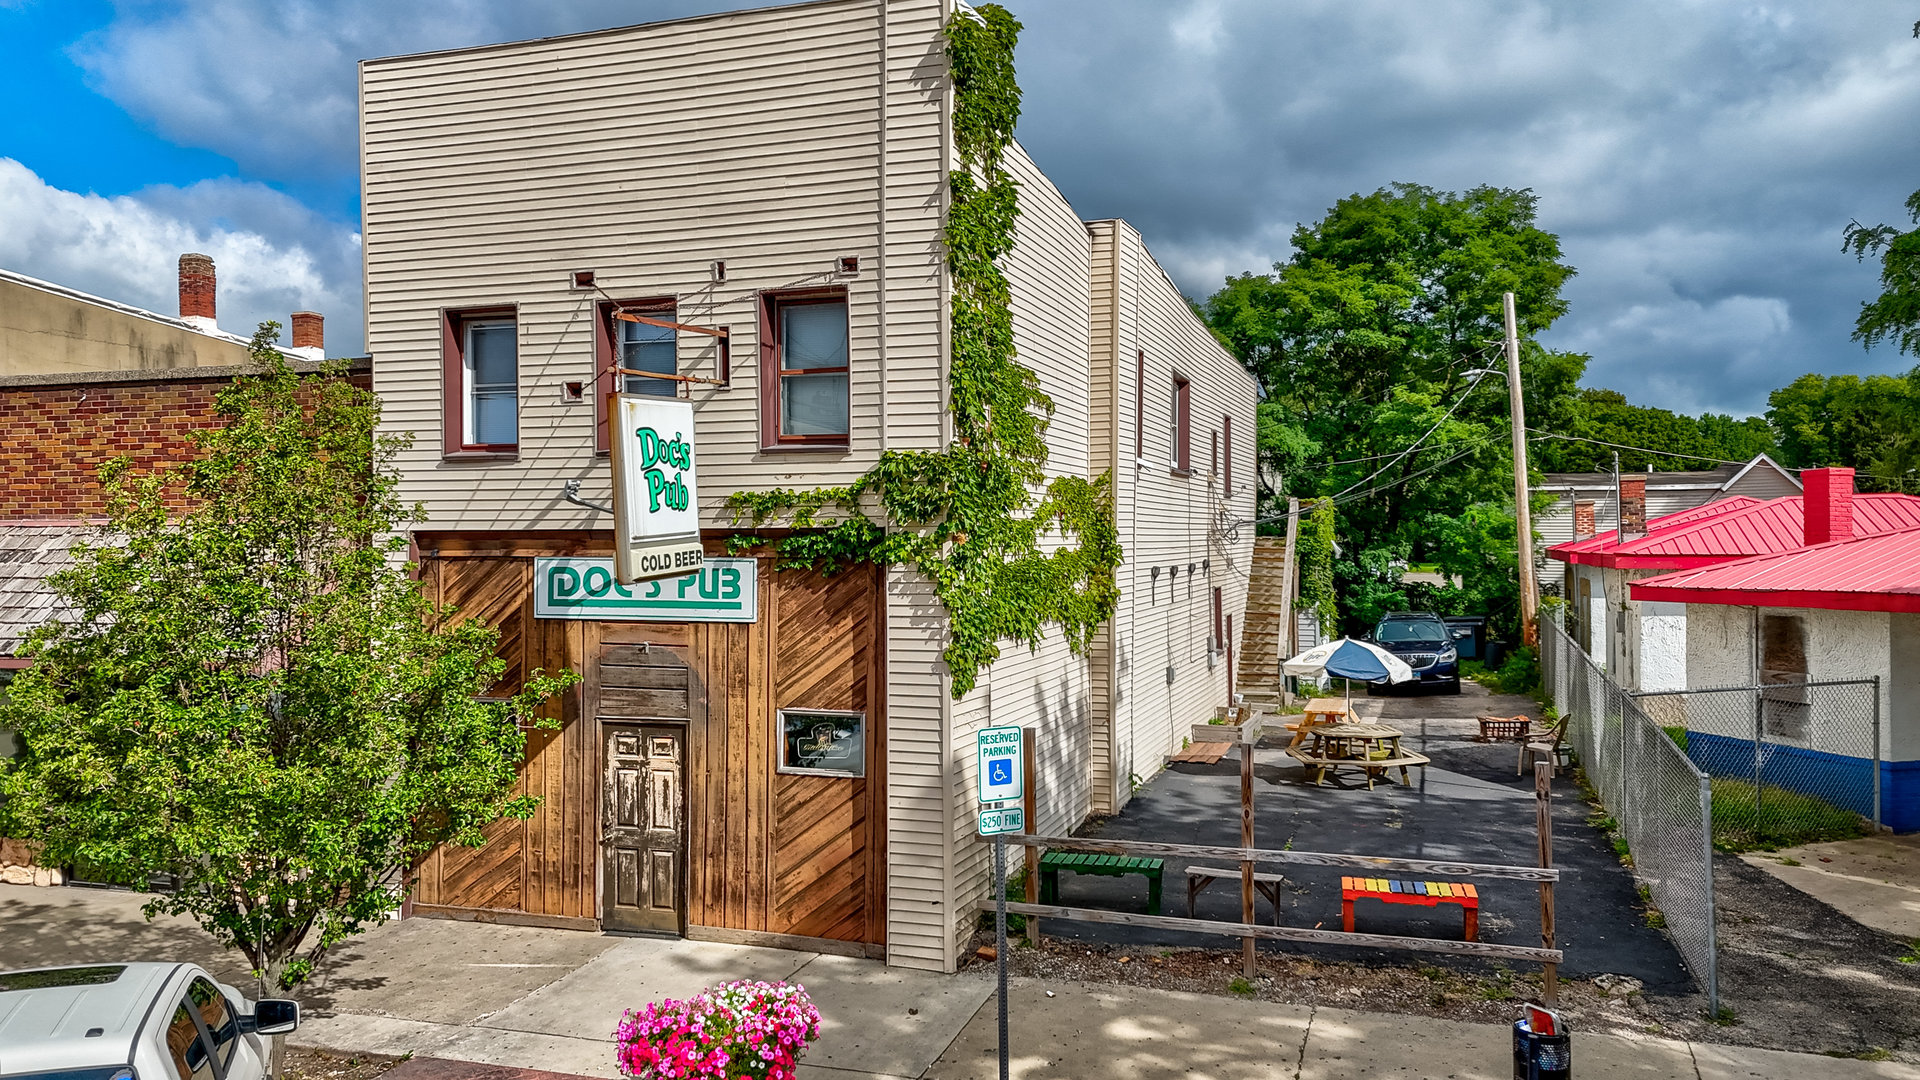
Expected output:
(1783, 676)
(1140, 404)
(1180, 457)
(636, 346)
(481, 366)
(1226, 454)
(804, 370)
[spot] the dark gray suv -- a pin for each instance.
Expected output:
(1421, 639)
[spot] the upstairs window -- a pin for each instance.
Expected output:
(637, 347)
(645, 347)
(1180, 457)
(1226, 452)
(1140, 404)
(482, 376)
(805, 362)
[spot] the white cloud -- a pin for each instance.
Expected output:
(272, 256)
(1687, 154)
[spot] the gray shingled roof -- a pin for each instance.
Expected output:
(28, 555)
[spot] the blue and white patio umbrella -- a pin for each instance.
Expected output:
(1349, 659)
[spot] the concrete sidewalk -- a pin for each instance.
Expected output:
(549, 1000)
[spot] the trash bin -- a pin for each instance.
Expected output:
(1541, 1055)
(1496, 655)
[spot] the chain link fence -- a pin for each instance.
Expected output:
(1791, 761)
(1662, 802)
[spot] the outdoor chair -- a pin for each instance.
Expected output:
(1554, 751)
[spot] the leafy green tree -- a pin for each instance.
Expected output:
(1868, 423)
(1689, 442)
(1365, 341)
(253, 695)
(1894, 315)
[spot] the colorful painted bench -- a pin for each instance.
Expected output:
(1081, 862)
(1424, 893)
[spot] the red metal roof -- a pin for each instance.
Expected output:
(1604, 541)
(1870, 573)
(1765, 528)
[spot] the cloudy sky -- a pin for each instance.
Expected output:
(1698, 159)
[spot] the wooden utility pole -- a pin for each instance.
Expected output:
(1522, 520)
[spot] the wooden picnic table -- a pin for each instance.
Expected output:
(1371, 748)
(1318, 714)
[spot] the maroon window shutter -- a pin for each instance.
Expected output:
(1213, 465)
(1226, 439)
(1219, 633)
(604, 380)
(452, 414)
(769, 375)
(1139, 403)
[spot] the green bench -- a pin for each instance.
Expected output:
(1104, 865)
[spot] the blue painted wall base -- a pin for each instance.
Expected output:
(1837, 778)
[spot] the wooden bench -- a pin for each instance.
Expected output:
(1267, 885)
(1105, 866)
(1424, 893)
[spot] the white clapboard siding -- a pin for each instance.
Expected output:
(1170, 523)
(1046, 689)
(760, 138)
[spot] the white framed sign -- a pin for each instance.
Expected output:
(1001, 752)
(1006, 819)
(722, 590)
(656, 499)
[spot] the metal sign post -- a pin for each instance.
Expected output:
(1000, 939)
(1001, 753)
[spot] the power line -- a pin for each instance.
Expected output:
(1697, 457)
(1455, 407)
(1624, 446)
(1349, 496)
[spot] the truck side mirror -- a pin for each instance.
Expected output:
(275, 1016)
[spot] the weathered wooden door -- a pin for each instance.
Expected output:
(644, 839)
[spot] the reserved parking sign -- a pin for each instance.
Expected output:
(1002, 766)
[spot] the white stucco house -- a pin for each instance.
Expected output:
(1642, 641)
(1847, 609)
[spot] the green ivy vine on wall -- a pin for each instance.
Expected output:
(1316, 565)
(971, 517)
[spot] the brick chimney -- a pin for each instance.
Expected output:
(1633, 507)
(1827, 504)
(1585, 525)
(196, 290)
(309, 335)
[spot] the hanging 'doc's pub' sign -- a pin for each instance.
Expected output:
(656, 503)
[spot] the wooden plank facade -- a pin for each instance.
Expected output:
(765, 854)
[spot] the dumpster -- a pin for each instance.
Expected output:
(1469, 635)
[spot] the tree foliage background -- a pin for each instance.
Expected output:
(1367, 342)
(251, 694)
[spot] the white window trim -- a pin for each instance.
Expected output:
(469, 410)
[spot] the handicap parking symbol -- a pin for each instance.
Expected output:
(1000, 772)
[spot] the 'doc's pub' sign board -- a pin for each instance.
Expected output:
(722, 590)
(656, 501)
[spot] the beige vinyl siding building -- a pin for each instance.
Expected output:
(778, 142)
(1178, 531)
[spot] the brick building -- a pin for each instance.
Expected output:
(84, 380)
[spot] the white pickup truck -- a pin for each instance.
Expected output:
(134, 1022)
